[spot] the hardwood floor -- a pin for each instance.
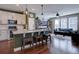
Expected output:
(6, 46)
(58, 45)
(63, 45)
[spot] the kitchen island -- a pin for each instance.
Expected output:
(19, 35)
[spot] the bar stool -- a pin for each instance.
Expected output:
(45, 36)
(27, 40)
(41, 38)
(35, 38)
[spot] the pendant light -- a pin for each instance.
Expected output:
(42, 10)
(57, 14)
(26, 11)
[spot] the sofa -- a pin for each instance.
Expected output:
(64, 32)
(68, 32)
(75, 38)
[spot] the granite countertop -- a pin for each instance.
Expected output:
(28, 31)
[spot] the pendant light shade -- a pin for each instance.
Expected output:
(42, 14)
(25, 11)
(57, 14)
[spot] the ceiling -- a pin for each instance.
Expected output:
(50, 10)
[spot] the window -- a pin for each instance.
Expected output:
(73, 23)
(63, 23)
(57, 23)
(67, 23)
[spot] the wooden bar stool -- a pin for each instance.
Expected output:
(35, 38)
(41, 34)
(39, 39)
(45, 37)
(27, 40)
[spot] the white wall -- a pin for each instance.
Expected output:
(4, 16)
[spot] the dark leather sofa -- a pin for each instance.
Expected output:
(69, 32)
(64, 32)
(75, 38)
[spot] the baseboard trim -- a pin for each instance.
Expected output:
(19, 48)
(26, 46)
